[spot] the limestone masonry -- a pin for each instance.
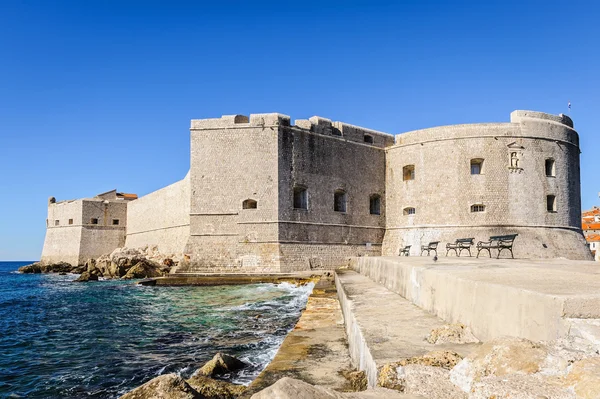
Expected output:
(265, 195)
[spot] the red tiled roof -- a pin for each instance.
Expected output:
(590, 226)
(593, 237)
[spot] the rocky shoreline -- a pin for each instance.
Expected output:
(122, 263)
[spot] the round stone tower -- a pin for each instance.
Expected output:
(479, 180)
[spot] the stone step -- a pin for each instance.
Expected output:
(383, 327)
(540, 300)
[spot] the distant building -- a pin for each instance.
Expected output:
(264, 194)
(590, 224)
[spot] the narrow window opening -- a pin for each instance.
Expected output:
(115, 222)
(478, 208)
(375, 204)
(70, 221)
(94, 221)
(368, 139)
(56, 222)
(339, 201)
(409, 211)
(550, 167)
(476, 166)
(408, 172)
(551, 203)
(249, 204)
(300, 198)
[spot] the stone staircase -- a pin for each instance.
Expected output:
(383, 327)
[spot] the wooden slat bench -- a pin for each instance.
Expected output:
(432, 246)
(499, 243)
(405, 251)
(459, 245)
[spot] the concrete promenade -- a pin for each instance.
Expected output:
(540, 300)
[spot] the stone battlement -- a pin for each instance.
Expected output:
(518, 115)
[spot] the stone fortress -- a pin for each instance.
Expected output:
(263, 195)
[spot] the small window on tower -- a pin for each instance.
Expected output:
(551, 203)
(249, 204)
(476, 166)
(375, 204)
(300, 198)
(409, 211)
(115, 222)
(408, 172)
(56, 222)
(339, 201)
(70, 221)
(478, 208)
(94, 221)
(550, 168)
(368, 139)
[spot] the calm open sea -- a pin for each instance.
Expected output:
(60, 339)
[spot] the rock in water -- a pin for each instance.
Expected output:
(168, 386)
(221, 364)
(58, 267)
(38, 267)
(86, 276)
(215, 389)
(143, 269)
(33, 268)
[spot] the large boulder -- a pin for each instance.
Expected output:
(221, 363)
(168, 386)
(144, 269)
(394, 375)
(86, 276)
(92, 269)
(451, 333)
(215, 389)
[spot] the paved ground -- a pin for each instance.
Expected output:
(534, 299)
(316, 350)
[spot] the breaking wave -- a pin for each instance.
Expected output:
(102, 339)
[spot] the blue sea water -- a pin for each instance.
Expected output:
(60, 339)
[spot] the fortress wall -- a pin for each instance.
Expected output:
(161, 218)
(98, 241)
(62, 242)
(320, 237)
(104, 237)
(234, 159)
(444, 189)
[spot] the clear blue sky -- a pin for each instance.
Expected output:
(96, 95)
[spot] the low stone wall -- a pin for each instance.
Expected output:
(531, 242)
(519, 298)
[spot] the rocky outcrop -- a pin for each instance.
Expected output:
(86, 276)
(136, 263)
(168, 386)
(215, 389)
(220, 364)
(39, 267)
(33, 268)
